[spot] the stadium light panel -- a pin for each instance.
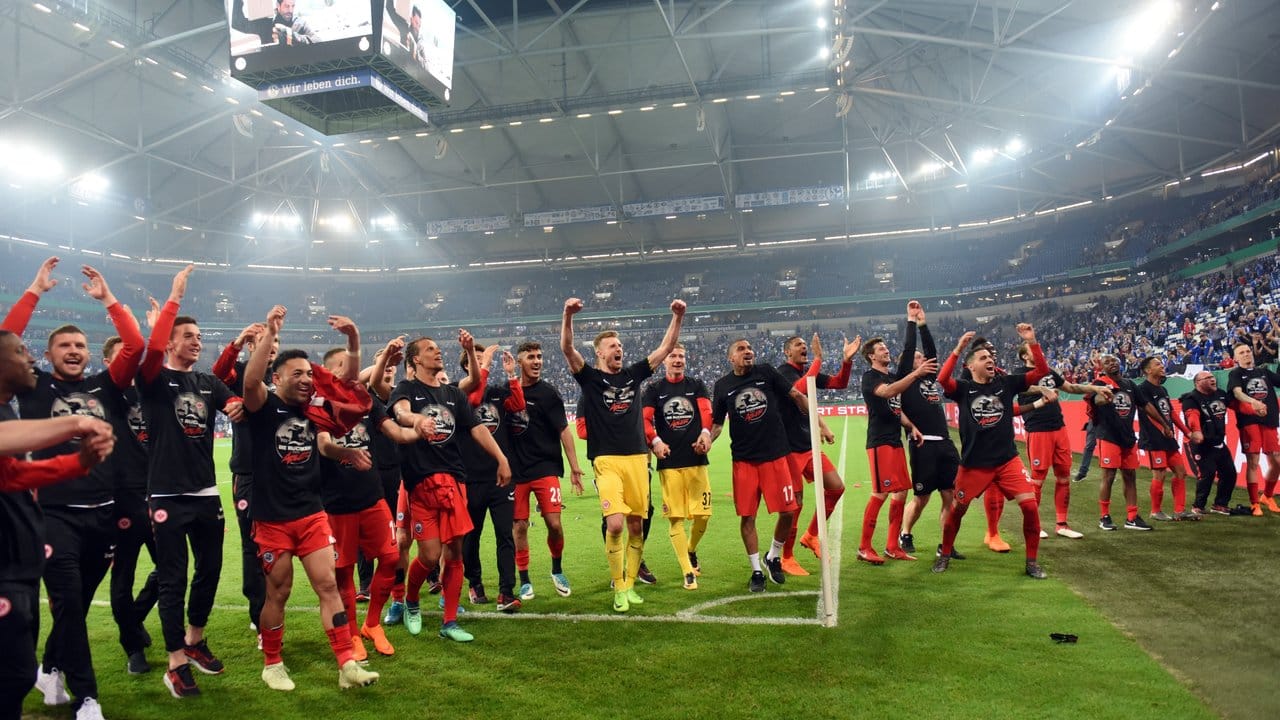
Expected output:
(982, 156)
(41, 8)
(82, 27)
(824, 53)
(1015, 146)
(822, 23)
(1146, 27)
(116, 44)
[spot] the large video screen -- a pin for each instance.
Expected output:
(417, 35)
(269, 34)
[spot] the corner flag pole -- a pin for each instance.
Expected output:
(815, 439)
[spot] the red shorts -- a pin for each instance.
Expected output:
(369, 531)
(545, 489)
(438, 509)
(888, 469)
(1048, 450)
(298, 538)
(1167, 460)
(801, 464)
(770, 479)
(1258, 438)
(1010, 479)
(1113, 457)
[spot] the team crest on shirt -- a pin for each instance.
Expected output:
(895, 404)
(931, 391)
(678, 412)
(919, 487)
(1218, 409)
(445, 423)
(1123, 404)
(77, 403)
(137, 425)
(295, 441)
(192, 412)
(124, 523)
(242, 504)
(987, 411)
(1257, 388)
(1166, 410)
(160, 515)
(617, 400)
(357, 439)
(487, 415)
(751, 405)
(518, 422)
(1048, 382)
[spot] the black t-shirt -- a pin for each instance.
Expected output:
(884, 415)
(1213, 415)
(286, 463)
(1149, 435)
(492, 414)
(986, 419)
(1049, 417)
(1258, 383)
(241, 439)
(21, 530)
(1113, 421)
(128, 462)
(755, 423)
(448, 406)
(345, 489)
(385, 451)
(677, 419)
(612, 409)
(796, 422)
(178, 408)
(534, 434)
(922, 402)
(92, 396)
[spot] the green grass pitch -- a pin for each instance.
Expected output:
(1174, 623)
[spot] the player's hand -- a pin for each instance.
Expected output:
(250, 333)
(965, 339)
(917, 438)
(96, 446)
(914, 312)
(357, 458)
(661, 450)
(504, 473)
(344, 325)
(486, 357)
(1259, 408)
(44, 280)
(1166, 431)
(395, 351)
(235, 412)
(678, 307)
(815, 347)
(575, 479)
(91, 427)
(424, 426)
(1104, 392)
(467, 342)
(179, 289)
(1197, 437)
(851, 348)
(573, 306)
(97, 288)
(1049, 395)
(275, 319)
(702, 445)
(1027, 333)
(828, 437)
(153, 313)
(509, 365)
(928, 367)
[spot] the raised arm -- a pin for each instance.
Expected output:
(515, 401)
(672, 336)
(946, 375)
(908, 358)
(390, 356)
(20, 314)
(255, 371)
(572, 307)
(162, 328)
(344, 325)
(1041, 368)
(124, 366)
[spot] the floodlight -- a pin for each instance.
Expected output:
(1014, 147)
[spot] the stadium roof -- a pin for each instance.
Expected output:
(123, 132)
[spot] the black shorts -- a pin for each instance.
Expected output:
(934, 466)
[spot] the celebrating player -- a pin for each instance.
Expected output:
(1255, 387)
(1205, 409)
(1113, 423)
(1156, 436)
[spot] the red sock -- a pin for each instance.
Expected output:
(874, 503)
(1131, 512)
(272, 642)
(340, 642)
(1031, 527)
(993, 502)
(1179, 494)
(832, 497)
(451, 579)
(895, 523)
(347, 591)
(1061, 498)
(1253, 493)
(380, 589)
(1157, 495)
(789, 545)
(417, 576)
(522, 559)
(556, 547)
(1104, 507)
(952, 527)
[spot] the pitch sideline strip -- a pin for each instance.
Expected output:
(687, 616)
